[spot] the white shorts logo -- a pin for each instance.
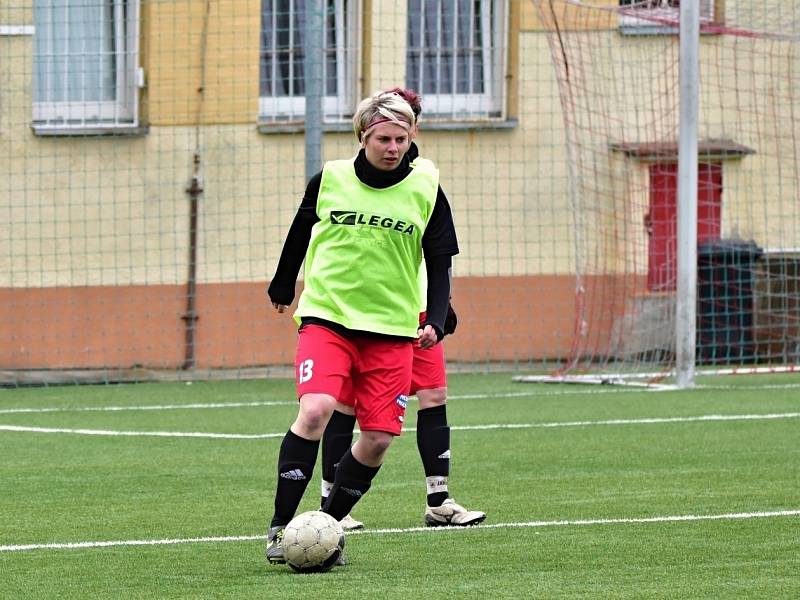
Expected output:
(305, 371)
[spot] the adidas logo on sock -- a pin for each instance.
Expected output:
(445, 454)
(352, 492)
(294, 474)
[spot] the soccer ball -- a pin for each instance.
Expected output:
(312, 542)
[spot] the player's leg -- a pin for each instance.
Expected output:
(336, 441)
(296, 459)
(380, 385)
(429, 383)
(322, 357)
(357, 468)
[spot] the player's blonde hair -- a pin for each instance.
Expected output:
(382, 107)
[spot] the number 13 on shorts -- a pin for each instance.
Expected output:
(305, 371)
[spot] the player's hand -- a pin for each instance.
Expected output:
(281, 296)
(427, 337)
(451, 320)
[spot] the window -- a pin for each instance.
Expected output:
(455, 56)
(85, 64)
(657, 16)
(282, 87)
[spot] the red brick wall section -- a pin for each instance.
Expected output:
(500, 319)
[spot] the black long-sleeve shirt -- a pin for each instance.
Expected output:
(439, 242)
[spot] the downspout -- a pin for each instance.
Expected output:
(194, 190)
(190, 316)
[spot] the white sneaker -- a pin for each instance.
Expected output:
(348, 523)
(450, 514)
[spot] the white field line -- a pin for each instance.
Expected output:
(533, 391)
(552, 424)
(434, 530)
(169, 434)
(200, 406)
(148, 407)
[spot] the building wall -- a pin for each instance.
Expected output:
(95, 264)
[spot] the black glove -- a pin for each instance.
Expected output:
(450, 321)
(280, 294)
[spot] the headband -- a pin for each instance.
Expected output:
(380, 120)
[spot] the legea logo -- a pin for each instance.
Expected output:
(350, 217)
(340, 217)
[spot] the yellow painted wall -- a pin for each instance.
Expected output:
(202, 61)
(114, 211)
(387, 22)
(100, 225)
(570, 17)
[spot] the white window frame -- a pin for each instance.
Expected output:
(468, 106)
(120, 112)
(282, 109)
(651, 17)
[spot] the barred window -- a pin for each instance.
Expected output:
(658, 16)
(85, 63)
(281, 78)
(455, 56)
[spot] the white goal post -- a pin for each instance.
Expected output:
(681, 263)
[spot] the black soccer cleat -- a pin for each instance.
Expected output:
(275, 546)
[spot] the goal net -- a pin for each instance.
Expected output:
(153, 155)
(617, 67)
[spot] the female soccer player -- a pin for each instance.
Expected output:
(429, 384)
(363, 227)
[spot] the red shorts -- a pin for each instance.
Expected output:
(376, 371)
(427, 373)
(427, 370)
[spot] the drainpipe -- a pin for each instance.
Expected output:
(190, 316)
(194, 190)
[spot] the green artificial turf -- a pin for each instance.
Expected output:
(591, 492)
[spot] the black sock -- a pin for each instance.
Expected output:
(336, 441)
(351, 483)
(433, 442)
(296, 461)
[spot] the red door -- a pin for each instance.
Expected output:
(662, 220)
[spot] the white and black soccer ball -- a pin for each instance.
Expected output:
(312, 542)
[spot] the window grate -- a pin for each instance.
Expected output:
(86, 56)
(455, 56)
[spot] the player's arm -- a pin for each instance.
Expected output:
(439, 244)
(451, 320)
(438, 268)
(282, 287)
